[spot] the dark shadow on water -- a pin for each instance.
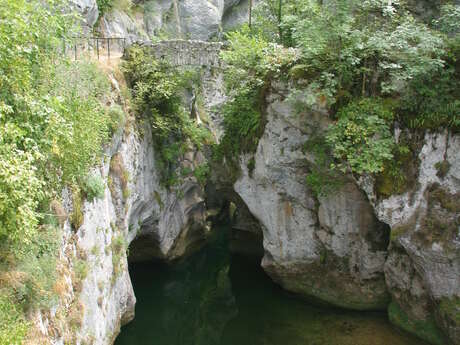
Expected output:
(213, 298)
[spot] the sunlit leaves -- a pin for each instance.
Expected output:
(361, 139)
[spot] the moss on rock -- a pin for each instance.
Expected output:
(424, 329)
(329, 283)
(448, 317)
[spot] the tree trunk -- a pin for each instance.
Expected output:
(250, 13)
(280, 13)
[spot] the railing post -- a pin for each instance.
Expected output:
(108, 47)
(97, 47)
(75, 50)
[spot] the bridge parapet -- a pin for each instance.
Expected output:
(187, 52)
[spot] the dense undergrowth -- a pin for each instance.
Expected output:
(371, 64)
(251, 64)
(53, 124)
(158, 96)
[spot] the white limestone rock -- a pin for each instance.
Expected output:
(329, 248)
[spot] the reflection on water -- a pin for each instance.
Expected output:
(215, 299)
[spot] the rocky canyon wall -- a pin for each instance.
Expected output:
(355, 247)
(95, 292)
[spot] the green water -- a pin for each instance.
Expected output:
(214, 298)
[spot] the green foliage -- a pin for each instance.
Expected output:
(449, 309)
(442, 168)
(53, 126)
(276, 19)
(321, 178)
(76, 218)
(20, 192)
(81, 270)
(251, 63)
(250, 59)
(27, 283)
(242, 122)
(119, 247)
(425, 329)
(425, 106)
(117, 118)
(79, 124)
(201, 173)
(395, 177)
(156, 89)
(449, 20)
(13, 326)
(94, 187)
(105, 6)
(370, 47)
(361, 139)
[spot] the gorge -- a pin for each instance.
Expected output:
(256, 191)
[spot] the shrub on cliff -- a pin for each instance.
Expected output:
(251, 64)
(53, 125)
(157, 90)
(361, 139)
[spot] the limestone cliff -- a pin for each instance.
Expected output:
(95, 292)
(423, 268)
(355, 246)
(330, 248)
(188, 19)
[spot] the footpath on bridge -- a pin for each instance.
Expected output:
(176, 52)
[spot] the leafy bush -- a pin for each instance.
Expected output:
(370, 47)
(361, 139)
(119, 247)
(321, 178)
(94, 187)
(201, 173)
(157, 89)
(449, 20)
(104, 6)
(425, 106)
(117, 118)
(242, 122)
(53, 125)
(13, 326)
(251, 63)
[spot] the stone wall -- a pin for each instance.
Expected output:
(187, 53)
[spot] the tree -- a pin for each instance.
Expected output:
(250, 13)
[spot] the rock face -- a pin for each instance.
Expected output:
(332, 248)
(423, 269)
(337, 248)
(174, 19)
(87, 9)
(96, 295)
(119, 24)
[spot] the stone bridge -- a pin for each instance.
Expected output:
(187, 52)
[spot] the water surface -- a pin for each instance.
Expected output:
(213, 298)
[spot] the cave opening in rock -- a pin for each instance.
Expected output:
(220, 295)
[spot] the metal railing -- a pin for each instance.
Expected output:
(95, 47)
